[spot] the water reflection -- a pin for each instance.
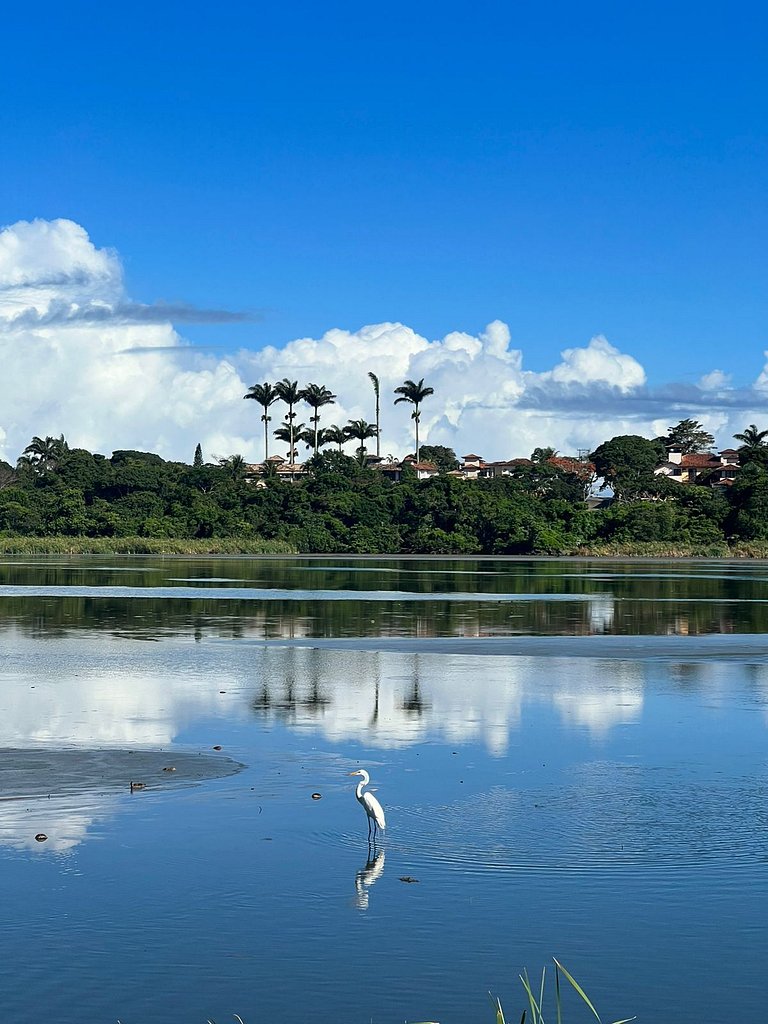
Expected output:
(108, 693)
(395, 700)
(295, 598)
(368, 875)
(87, 709)
(65, 822)
(51, 798)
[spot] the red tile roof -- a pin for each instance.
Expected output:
(699, 460)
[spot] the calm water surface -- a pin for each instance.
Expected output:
(572, 757)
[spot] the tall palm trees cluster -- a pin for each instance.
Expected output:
(43, 453)
(316, 396)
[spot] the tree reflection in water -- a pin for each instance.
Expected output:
(465, 597)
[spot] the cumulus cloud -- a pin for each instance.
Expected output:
(70, 337)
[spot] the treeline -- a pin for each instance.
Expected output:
(343, 506)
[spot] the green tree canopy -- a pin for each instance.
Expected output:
(444, 458)
(690, 436)
(627, 462)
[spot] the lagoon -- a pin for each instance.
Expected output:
(572, 757)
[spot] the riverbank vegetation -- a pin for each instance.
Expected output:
(61, 499)
(64, 545)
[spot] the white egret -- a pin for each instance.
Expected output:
(371, 805)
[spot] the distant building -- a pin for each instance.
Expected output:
(700, 467)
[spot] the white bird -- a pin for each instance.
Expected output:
(371, 805)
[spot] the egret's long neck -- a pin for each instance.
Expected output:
(359, 790)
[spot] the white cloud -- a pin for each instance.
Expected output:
(598, 363)
(714, 381)
(83, 359)
(53, 255)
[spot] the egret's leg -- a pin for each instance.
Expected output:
(369, 830)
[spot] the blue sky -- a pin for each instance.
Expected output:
(570, 169)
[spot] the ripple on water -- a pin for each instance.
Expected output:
(632, 821)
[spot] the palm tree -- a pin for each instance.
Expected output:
(265, 394)
(752, 438)
(359, 430)
(415, 394)
(317, 395)
(375, 382)
(268, 474)
(320, 438)
(336, 435)
(291, 433)
(288, 391)
(43, 454)
(235, 467)
(540, 455)
(324, 437)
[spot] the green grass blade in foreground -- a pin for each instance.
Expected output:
(536, 1014)
(496, 1004)
(577, 987)
(541, 990)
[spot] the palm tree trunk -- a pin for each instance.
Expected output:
(378, 432)
(266, 435)
(416, 418)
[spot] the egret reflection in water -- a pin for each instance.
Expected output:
(368, 875)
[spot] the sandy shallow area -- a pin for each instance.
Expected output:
(34, 773)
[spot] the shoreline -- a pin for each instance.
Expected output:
(246, 547)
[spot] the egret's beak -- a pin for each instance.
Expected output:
(352, 773)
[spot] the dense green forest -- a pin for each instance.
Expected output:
(343, 506)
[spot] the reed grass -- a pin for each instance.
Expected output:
(668, 549)
(534, 1011)
(535, 1000)
(536, 1006)
(65, 545)
(60, 545)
